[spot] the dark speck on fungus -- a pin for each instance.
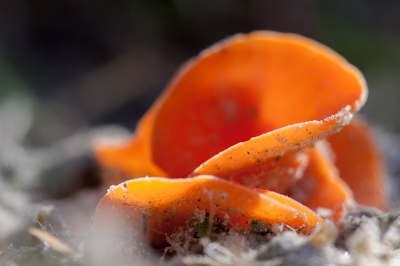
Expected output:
(144, 223)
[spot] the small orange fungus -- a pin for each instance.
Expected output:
(247, 111)
(156, 206)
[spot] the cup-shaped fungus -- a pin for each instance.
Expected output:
(155, 207)
(238, 89)
(248, 110)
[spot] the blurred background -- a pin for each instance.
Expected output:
(68, 67)
(84, 63)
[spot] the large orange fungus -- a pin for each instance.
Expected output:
(252, 111)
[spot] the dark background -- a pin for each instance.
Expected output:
(80, 63)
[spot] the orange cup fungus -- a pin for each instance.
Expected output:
(247, 117)
(156, 206)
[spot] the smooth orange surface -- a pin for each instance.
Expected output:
(244, 87)
(153, 207)
(238, 89)
(270, 145)
(360, 164)
(321, 186)
(287, 201)
(135, 158)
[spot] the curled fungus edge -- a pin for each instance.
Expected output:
(244, 119)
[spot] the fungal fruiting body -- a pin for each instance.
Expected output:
(156, 206)
(248, 111)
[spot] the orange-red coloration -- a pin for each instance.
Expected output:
(247, 110)
(272, 144)
(238, 89)
(360, 164)
(278, 174)
(134, 158)
(247, 86)
(321, 186)
(154, 207)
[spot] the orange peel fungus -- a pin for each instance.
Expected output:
(243, 119)
(156, 206)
